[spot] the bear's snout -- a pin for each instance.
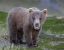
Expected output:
(36, 26)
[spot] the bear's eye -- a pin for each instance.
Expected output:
(33, 18)
(40, 18)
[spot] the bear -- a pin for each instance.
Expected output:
(25, 21)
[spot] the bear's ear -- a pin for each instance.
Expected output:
(31, 10)
(44, 12)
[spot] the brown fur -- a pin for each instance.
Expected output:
(18, 22)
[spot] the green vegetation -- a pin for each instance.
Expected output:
(45, 42)
(3, 16)
(55, 25)
(43, 45)
(50, 38)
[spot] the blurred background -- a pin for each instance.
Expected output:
(55, 7)
(52, 34)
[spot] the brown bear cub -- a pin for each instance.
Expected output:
(22, 21)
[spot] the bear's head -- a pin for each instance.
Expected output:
(37, 17)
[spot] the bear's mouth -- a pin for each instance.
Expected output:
(36, 28)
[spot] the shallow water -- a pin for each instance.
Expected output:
(4, 43)
(56, 42)
(48, 32)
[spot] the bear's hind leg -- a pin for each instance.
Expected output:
(13, 33)
(12, 30)
(13, 38)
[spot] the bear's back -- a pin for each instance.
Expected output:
(18, 14)
(18, 10)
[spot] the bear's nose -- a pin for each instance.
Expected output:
(37, 24)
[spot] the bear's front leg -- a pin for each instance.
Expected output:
(34, 37)
(26, 31)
